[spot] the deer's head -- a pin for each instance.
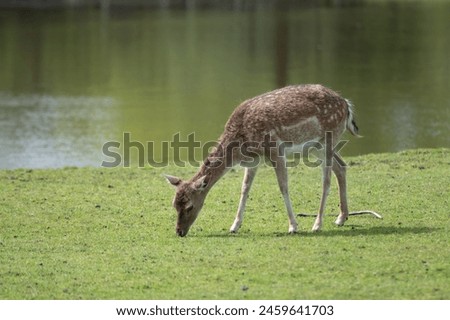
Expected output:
(188, 201)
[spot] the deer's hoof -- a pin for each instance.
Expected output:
(340, 220)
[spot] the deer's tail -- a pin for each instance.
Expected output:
(351, 124)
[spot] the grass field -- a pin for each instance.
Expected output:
(109, 234)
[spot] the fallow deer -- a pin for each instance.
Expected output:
(269, 126)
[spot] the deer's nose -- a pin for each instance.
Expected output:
(180, 232)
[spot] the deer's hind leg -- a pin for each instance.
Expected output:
(339, 169)
(326, 158)
(326, 182)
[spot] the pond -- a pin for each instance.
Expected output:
(73, 80)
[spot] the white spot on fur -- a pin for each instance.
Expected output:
(333, 117)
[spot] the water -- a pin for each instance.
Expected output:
(72, 80)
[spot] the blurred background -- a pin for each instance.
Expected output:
(75, 74)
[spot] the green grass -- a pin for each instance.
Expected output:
(109, 234)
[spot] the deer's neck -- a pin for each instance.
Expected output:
(217, 164)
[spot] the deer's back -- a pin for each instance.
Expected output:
(295, 113)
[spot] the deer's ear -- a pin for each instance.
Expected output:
(201, 183)
(175, 181)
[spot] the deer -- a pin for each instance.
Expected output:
(270, 127)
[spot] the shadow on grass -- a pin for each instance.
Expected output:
(353, 230)
(346, 231)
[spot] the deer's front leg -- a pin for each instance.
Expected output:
(282, 177)
(246, 185)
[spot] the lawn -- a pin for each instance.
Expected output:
(98, 233)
